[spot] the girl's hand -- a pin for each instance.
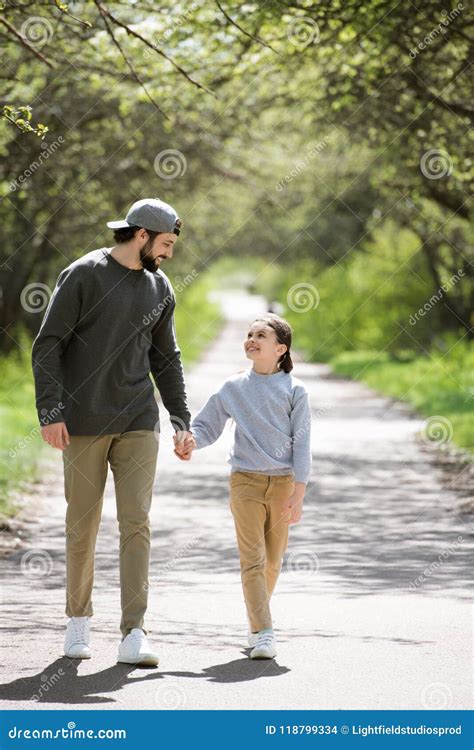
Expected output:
(183, 456)
(184, 443)
(184, 448)
(293, 508)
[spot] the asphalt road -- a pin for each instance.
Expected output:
(371, 609)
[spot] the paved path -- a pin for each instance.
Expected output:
(357, 627)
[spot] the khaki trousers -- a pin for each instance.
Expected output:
(132, 457)
(256, 502)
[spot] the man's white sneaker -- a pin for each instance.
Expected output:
(252, 638)
(135, 649)
(77, 642)
(265, 647)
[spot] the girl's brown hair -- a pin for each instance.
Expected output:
(283, 335)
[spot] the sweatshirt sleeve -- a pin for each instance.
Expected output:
(209, 422)
(166, 367)
(57, 328)
(301, 435)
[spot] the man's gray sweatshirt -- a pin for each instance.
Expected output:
(272, 415)
(107, 327)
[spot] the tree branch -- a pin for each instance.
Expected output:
(127, 61)
(23, 41)
(242, 31)
(104, 12)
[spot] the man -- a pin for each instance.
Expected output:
(109, 324)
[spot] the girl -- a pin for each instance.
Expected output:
(270, 463)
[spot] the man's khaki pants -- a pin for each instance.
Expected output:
(257, 502)
(132, 457)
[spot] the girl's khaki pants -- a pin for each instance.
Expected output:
(257, 502)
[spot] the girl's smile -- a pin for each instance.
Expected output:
(262, 343)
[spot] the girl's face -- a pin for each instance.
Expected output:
(261, 344)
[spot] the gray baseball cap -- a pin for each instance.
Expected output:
(152, 214)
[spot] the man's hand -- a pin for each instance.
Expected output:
(293, 508)
(56, 435)
(184, 444)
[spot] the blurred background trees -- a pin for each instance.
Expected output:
(329, 141)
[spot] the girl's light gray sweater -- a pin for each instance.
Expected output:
(272, 415)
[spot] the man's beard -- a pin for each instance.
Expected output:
(147, 260)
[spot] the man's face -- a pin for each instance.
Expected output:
(154, 252)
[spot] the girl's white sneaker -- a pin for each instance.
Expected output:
(265, 647)
(77, 642)
(135, 649)
(252, 638)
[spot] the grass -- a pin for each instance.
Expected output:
(21, 446)
(20, 438)
(441, 384)
(197, 319)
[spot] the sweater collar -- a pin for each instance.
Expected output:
(271, 376)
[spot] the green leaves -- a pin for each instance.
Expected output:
(21, 117)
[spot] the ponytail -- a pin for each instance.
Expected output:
(285, 362)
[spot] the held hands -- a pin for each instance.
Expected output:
(184, 444)
(293, 508)
(56, 435)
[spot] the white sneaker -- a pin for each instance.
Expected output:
(77, 642)
(252, 638)
(265, 647)
(135, 649)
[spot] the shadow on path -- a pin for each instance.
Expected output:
(60, 682)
